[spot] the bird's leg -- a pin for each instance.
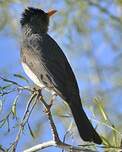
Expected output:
(38, 90)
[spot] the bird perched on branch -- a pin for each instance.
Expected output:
(47, 66)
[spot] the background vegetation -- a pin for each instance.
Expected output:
(90, 34)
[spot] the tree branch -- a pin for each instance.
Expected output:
(24, 120)
(61, 145)
(56, 142)
(49, 115)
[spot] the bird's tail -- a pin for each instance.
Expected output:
(85, 128)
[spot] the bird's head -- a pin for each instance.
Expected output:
(36, 18)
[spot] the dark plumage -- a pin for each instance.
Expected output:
(30, 12)
(42, 56)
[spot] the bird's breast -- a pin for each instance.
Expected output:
(34, 78)
(31, 75)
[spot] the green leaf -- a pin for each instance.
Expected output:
(115, 139)
(106, 142)
(13, 109)
(5, 87)
(101, 108)
(1, 106)
(10, 81)
(1, 149)
(31, 132)
(2, 122)
(21, 77)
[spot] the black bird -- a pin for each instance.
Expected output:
(47, 66)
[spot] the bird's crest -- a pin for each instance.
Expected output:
(28, 13)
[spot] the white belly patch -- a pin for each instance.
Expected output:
(31, 75)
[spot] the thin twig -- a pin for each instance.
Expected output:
(24, 120)
(56, 142)
(2, 149)
(67, 132)
(10, 81)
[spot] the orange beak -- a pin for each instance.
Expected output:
(50, 13)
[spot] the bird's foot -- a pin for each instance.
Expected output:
(37, 90)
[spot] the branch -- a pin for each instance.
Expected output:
(61, 145)
(49, 115)
(24, 120)
(56, 142)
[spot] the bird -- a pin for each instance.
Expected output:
(46, 65)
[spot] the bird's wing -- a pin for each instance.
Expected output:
(62, 70)
(50, 65)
